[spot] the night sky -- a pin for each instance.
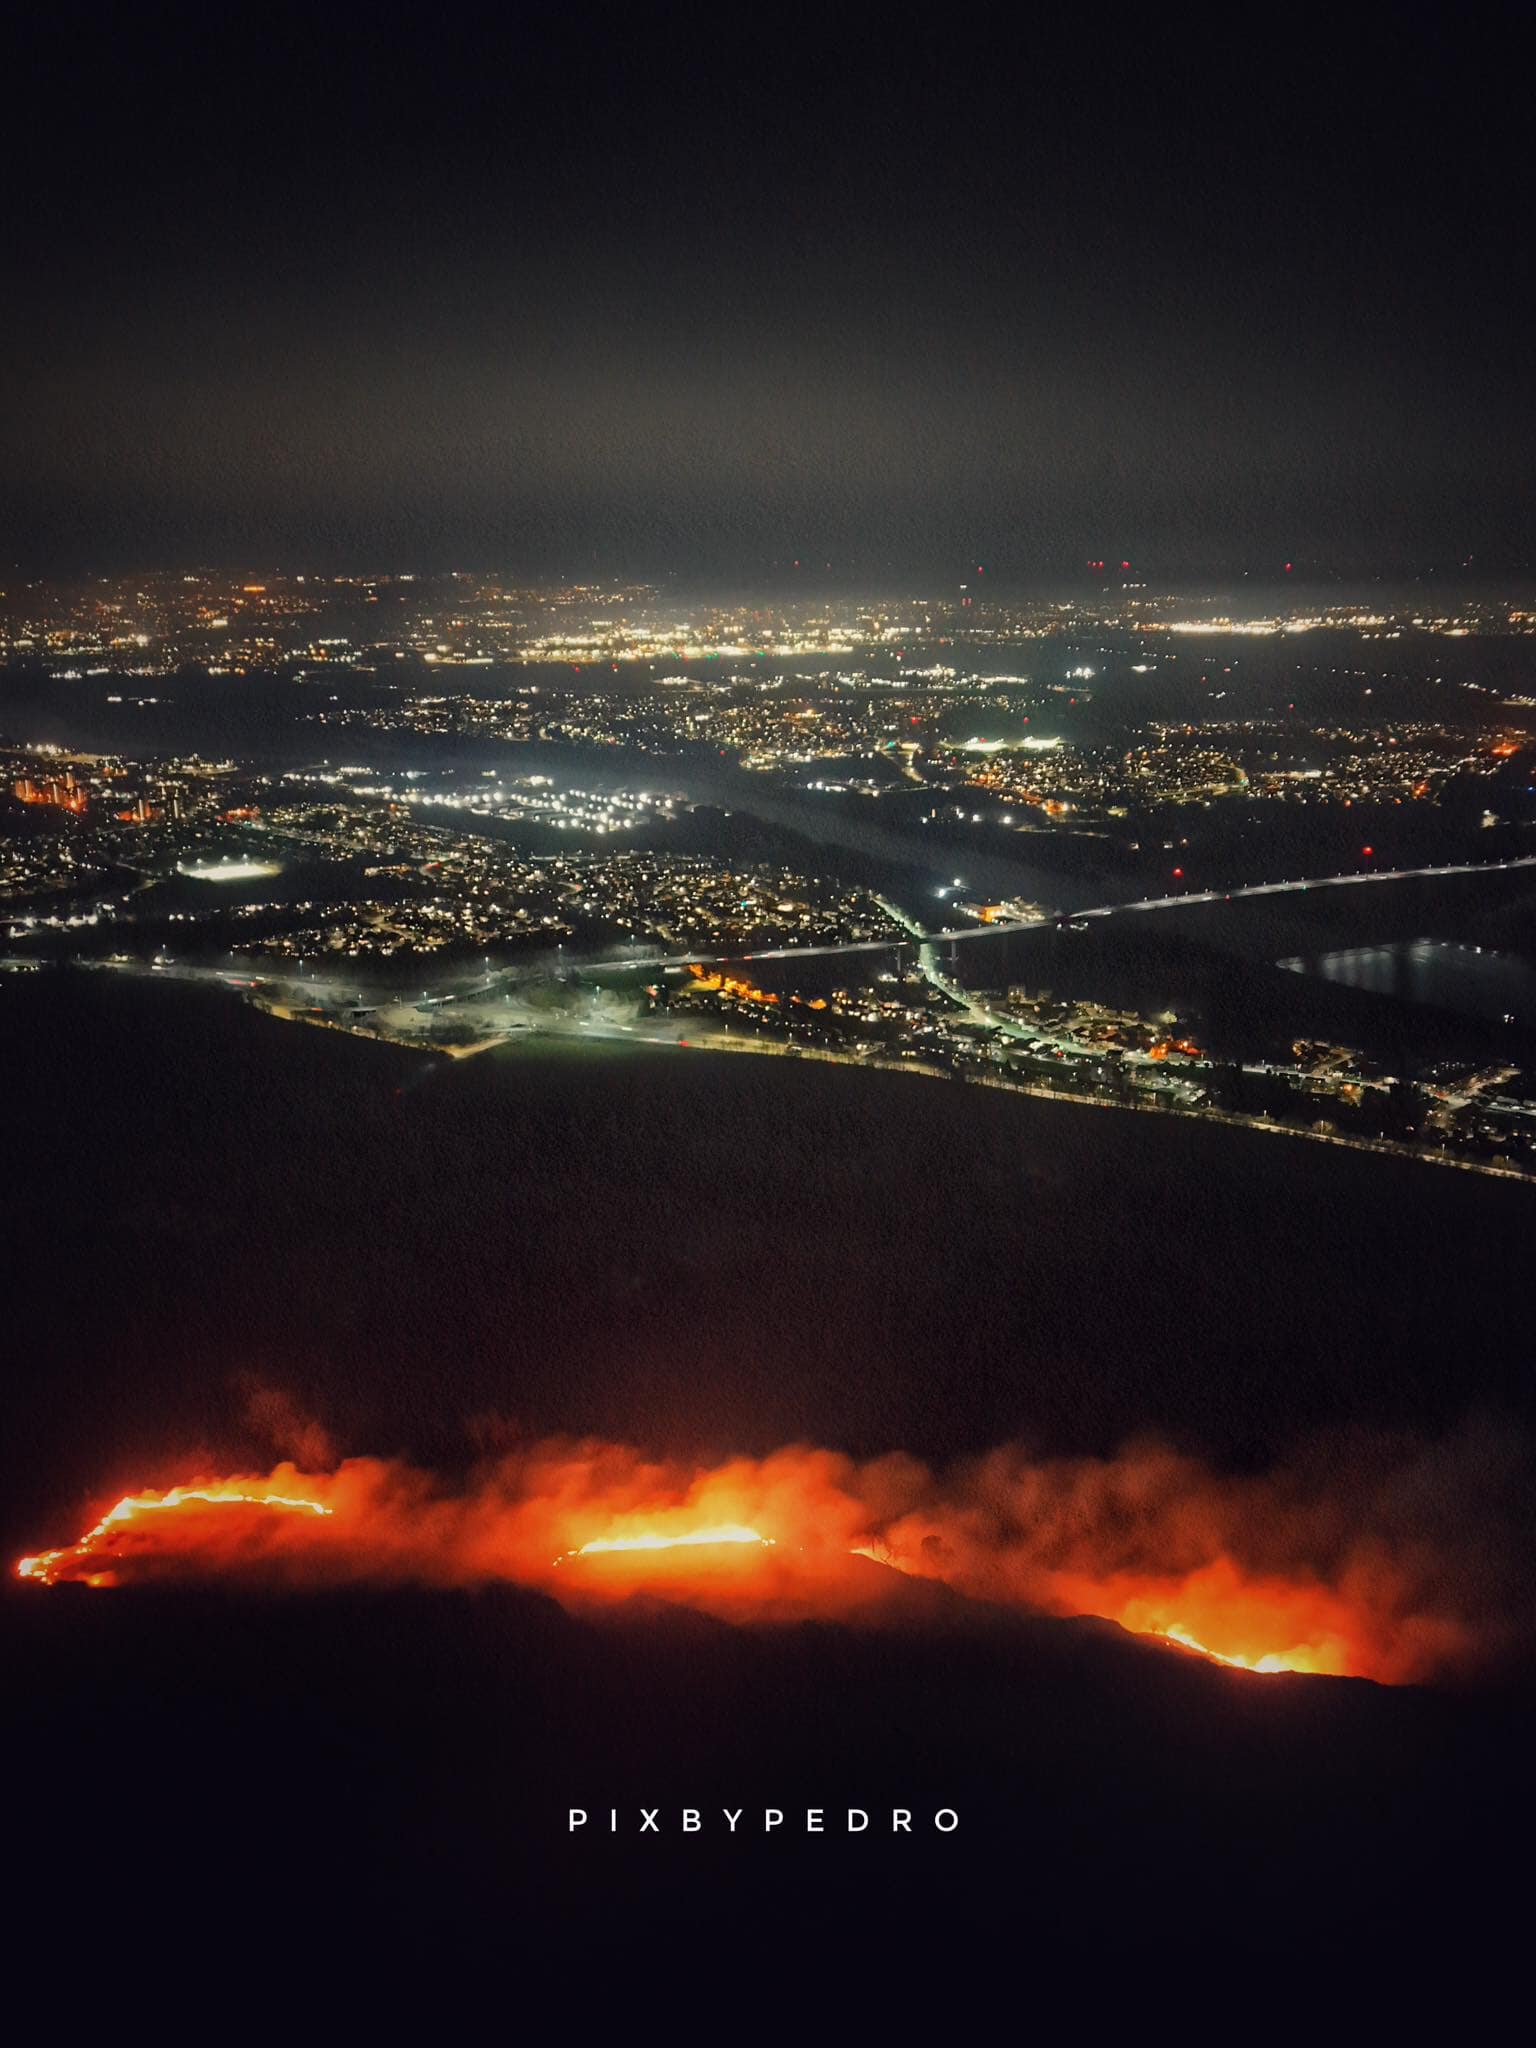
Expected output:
(591, 294)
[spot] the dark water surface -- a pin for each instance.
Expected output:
(1469, 979)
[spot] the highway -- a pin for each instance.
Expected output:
(907, 932)
(1321, 882)
(485, 1003)
(912, 932)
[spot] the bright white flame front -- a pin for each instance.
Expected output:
(655, 1539)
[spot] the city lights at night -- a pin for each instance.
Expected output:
(768, 983)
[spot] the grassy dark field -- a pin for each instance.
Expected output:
(700, 1255)
(704, 1255)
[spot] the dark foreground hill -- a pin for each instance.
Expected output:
(376, 1788)
(211, 1789)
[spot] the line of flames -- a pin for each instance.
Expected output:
(46, 1566)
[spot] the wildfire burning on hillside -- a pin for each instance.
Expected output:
(1270, 1574)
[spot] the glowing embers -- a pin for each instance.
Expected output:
(92, 1559)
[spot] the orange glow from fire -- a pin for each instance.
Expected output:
(1249, 1624)
(1261, 1574)
(1186, 1641)
(660, 1539)
(52, 1565)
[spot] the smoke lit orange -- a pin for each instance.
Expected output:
(1260, 1574)
(108, 1536)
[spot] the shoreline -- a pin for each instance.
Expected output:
(723, 1043)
